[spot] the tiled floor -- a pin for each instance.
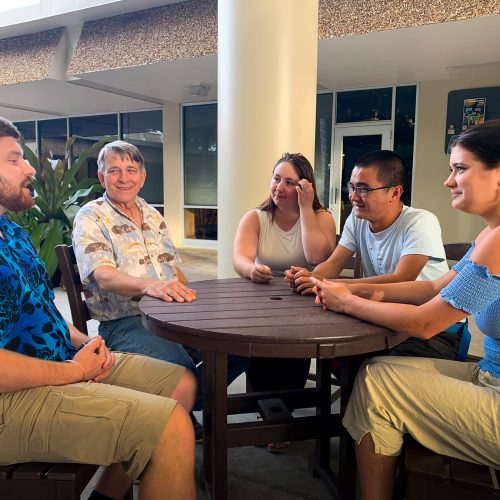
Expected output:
(254, 472)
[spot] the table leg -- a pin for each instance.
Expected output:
(319, 462)
(208, 411)
(347, 455)
(215, 418)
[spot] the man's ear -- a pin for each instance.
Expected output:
(101, 179)
(398, 192)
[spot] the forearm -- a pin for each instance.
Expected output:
(77, 337)
(18, 372)
(317, 246)
(114, 281)
(415, 320)
(327, 270)
(410, 292)
(243, 265)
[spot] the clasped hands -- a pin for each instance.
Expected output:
(95, 360)
(330, 294)
(170, 290)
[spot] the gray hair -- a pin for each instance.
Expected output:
(121, 148)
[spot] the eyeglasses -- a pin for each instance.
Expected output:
(363, 191)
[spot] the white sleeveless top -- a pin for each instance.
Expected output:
(279, 249)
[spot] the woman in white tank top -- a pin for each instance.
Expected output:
(289, 228)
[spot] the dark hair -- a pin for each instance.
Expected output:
(483, 141)
(389, 165)
(8, 129)
(305, 171)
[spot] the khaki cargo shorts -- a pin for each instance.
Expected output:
(120, 420)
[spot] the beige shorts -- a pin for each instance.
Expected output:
(451, 407)
(120, 420)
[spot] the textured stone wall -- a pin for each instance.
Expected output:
(175, 31)
(352, 17)
(189, 29)
(28, 58)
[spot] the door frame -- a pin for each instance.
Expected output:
(383, 128)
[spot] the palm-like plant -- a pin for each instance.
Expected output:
(58, 197)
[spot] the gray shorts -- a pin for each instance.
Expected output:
(120, 420)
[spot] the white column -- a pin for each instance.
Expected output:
(267, 78)
(172, 170)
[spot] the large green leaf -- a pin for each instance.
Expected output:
(53, 237)
(58, 197)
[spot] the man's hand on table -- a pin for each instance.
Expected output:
(299, 280)
(331, 295)
(170, 290)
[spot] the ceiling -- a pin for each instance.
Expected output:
(412, 55)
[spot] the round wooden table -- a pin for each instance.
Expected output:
(236, 316)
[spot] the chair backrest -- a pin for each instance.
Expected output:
(455, 251)
(71, 280)
(354, 264)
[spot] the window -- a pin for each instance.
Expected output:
(89, 130)
(144, 129)
(323, 148)
(364, 105)
(200, 171)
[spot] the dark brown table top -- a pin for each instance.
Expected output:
(239, 317)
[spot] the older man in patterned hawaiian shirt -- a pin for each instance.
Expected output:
(124, 251)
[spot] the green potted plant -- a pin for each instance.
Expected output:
(58, 196)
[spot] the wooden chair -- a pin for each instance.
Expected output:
(71, 280)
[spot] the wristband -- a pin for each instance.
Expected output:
(84, 344)
(81, 367)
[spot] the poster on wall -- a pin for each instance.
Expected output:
(474, 112)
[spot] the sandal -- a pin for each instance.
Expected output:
(278, 447)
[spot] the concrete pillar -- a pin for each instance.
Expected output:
(172, 171)
(267, 74)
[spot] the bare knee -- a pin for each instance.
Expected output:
(177, 436)
(185, 391)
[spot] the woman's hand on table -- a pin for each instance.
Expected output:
(331, 295)
(170, 290)
(259, 273)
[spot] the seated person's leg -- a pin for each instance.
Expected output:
(130, 335)
(101, 424)
(433, 400)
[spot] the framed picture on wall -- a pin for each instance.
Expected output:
(474, 112)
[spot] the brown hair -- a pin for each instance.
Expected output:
(305, 171)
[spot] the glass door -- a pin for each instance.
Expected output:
(351, 143)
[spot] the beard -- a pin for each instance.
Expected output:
(15, 200)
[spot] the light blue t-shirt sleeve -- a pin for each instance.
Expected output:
(423, 236)
(348, 237)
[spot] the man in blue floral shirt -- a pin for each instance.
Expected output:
(65, 397)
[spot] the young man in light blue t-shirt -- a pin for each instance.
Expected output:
(396, 243)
